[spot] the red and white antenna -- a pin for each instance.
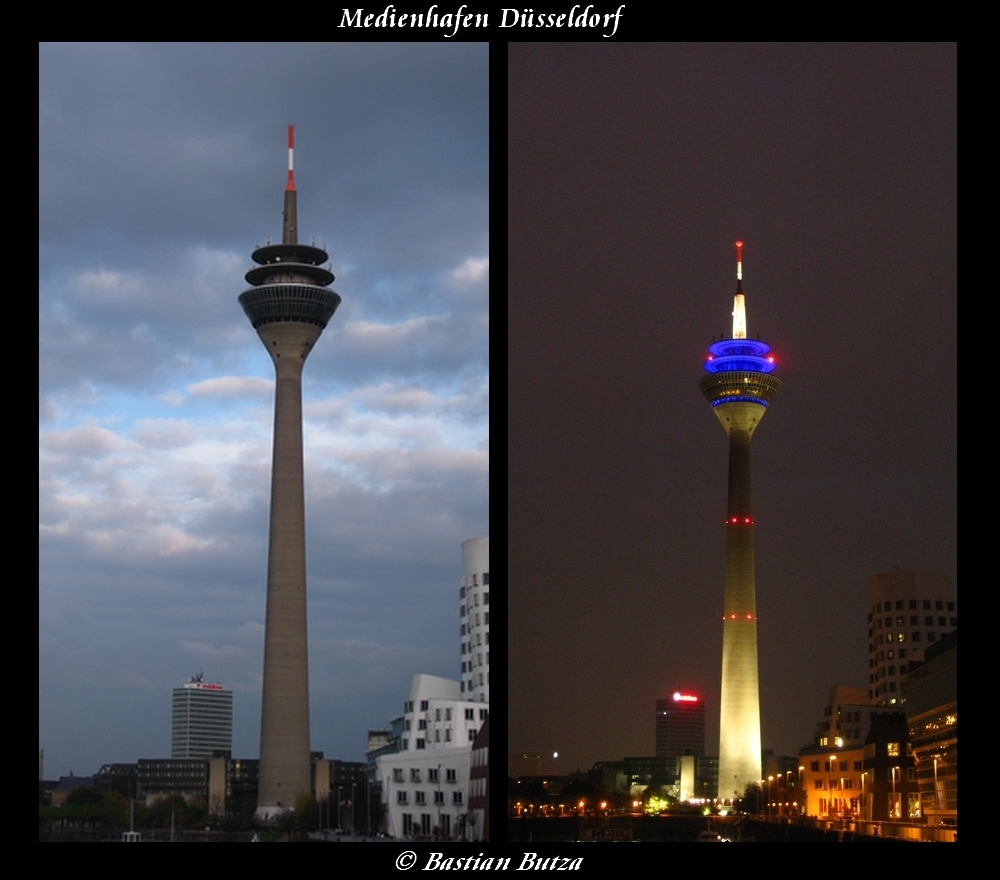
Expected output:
(290, 225)
(739, 305)
(291, 157)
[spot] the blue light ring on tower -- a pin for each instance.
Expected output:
(739, 399)
(289, 302)
(752, 347)
(739, 354)
(735, 363)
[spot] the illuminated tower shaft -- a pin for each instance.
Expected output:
(739, 387)
(289, 306)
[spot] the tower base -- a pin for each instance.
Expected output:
(270, 814)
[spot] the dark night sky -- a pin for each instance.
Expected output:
(632, 169)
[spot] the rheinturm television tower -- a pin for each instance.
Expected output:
(289, 306)
(739, 385)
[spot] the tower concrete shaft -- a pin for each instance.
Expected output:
(739, 718)
(289, 306)
(284, 735)
(739, 386)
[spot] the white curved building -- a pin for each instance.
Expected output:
(474, 614)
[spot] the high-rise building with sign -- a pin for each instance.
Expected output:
(680, 725)
(202, 719)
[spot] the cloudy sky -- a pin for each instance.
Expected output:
(633, 168)
(161, 167)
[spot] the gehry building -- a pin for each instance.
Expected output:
(474, 614)
(425, 785)
(909, 611)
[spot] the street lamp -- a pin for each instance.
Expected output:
(798, 782)
(863, 810)
(937, 803)
(833, 765)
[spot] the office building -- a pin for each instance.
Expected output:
(931, 701)
(832, 782)
(289, 306)
(202, 719)
(680, 726)
(739, 386)
(891, 788)
(909, 611)
(845, 718)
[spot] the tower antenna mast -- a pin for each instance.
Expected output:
(290, 226)
(739, 304)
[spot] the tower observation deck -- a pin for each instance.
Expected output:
(289, 306)
(739, 385)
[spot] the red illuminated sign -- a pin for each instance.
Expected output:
(685, 698)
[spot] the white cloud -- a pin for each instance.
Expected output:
(473, 270)
(232, 386)
(84, 440)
